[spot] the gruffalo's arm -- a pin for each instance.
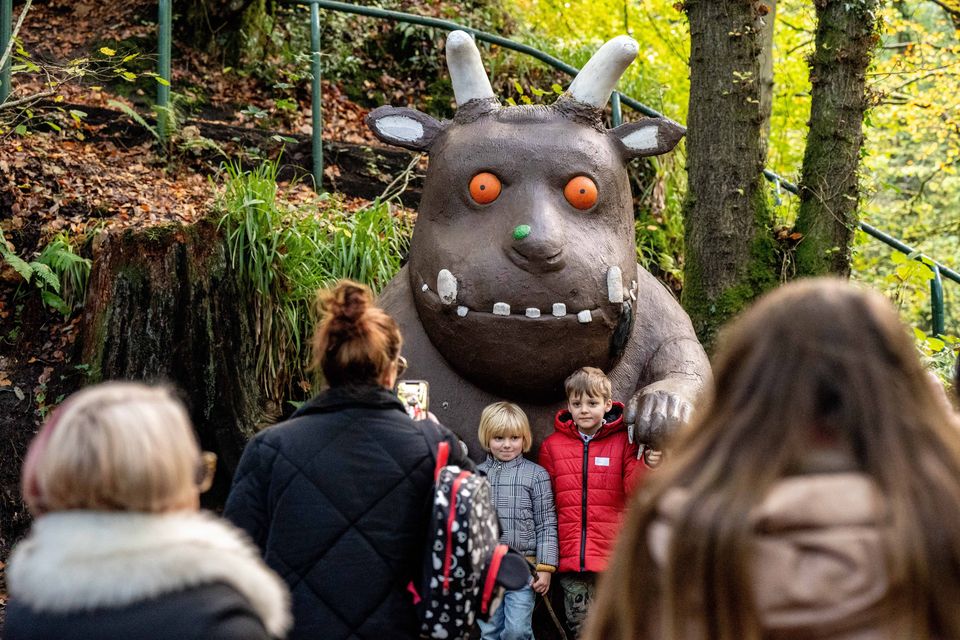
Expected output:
(673, 364)
(675, 367)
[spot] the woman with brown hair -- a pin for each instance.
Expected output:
(816, 494)
(338, 497)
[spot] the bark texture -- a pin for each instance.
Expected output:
(769, 11)
(235, 29)
(163, 305)
(830, 189)
(730, 255)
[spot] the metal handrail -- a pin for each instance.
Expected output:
(6, 32)
(939, 270)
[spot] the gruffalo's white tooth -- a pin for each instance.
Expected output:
(446, 287)
(615, 285)
(501, 309)
(532, 312)
(462, 311)
(585, 316)
(559, 309)
(425, 287)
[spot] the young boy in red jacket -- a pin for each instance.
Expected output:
(593, 468)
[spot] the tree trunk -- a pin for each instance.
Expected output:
(830, 191)
(769, 11)
(163, 305)
(235, 29)
(730, 255)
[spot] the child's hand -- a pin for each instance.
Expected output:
(652, 457)
(542, 582)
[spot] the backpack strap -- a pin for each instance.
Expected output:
(443, 454)
(498, 552)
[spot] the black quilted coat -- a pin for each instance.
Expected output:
(338, 498)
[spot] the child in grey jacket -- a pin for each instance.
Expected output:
(523, 498)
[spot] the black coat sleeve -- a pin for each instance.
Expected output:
(247, 504)
(458, 449)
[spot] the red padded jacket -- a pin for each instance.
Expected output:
(591, 481)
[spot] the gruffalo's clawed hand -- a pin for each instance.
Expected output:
(657, 411)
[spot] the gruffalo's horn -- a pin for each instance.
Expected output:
(470, 81)
(598, 78)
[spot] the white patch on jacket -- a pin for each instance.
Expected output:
(82, 560)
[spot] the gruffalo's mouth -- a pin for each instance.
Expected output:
(526, 349)
(445, 292)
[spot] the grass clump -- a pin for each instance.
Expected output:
(283, 253)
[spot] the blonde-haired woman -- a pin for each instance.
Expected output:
(118, 548)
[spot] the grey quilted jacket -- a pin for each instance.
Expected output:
(521, 493)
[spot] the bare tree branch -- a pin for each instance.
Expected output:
(9, 104)
(953, 12)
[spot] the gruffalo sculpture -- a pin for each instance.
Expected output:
(523, 259)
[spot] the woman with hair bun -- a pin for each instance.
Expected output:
(338, 497)
(118, 549)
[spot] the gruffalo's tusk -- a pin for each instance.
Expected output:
(470, 81)
(598, 78)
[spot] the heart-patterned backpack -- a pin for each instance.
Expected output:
(465, 567)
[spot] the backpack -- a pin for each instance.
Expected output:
(466, 569)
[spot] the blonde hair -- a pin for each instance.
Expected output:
(356, 341)
(588, 381)
(118, 446)
(502, 419)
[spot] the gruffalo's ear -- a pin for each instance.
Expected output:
(648, 137)
(407, 128)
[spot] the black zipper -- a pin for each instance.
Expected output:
(583, 509)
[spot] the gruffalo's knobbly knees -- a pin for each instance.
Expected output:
(523, 261)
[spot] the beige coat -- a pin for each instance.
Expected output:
(819, 569)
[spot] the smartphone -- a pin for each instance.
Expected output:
(415, 395)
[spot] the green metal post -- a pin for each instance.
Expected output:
(936, 301)
(6, 29)
(615, 110)
(317, 98)
(163, 67)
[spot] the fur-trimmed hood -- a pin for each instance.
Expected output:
(82, 560)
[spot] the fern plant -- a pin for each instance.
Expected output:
(58, 273)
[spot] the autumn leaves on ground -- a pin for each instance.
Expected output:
(86, 160)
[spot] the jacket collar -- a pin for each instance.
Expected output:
(348, 396)
(83, 560)
(613, 422)
(516, 462)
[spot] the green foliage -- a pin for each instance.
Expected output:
(939, 353)
(118, 64)
(58, 274)
(284, 254)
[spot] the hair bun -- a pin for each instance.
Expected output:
(345, 306)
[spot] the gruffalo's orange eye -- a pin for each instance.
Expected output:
(485, 188)
(581, 192)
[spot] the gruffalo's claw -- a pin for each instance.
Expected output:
(657, 411)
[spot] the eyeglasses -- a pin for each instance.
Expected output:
(206, 468)
(401, 365)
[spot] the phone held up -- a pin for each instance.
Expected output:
(415, 395)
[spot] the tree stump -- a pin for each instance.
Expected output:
(163, 306)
